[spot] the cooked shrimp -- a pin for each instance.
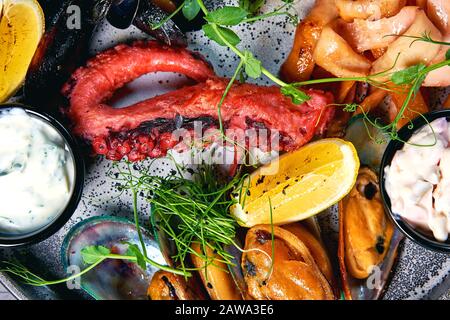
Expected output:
(367, 35)
(300, 63)
(368, 9)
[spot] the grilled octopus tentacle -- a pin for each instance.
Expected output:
(144, 129)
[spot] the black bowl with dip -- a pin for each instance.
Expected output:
(14, 240)
(405, 133)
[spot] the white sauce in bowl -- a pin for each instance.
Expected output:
(36, 173)
(418, 179)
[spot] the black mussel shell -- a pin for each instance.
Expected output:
(61, 50)
(122, 13)
(148, 15)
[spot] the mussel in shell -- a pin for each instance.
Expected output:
(317, 250)
(292, 274)
(367, 239)
(366, 228)
(215, 275)
(168, 286)
(62, 49)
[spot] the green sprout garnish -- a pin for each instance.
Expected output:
(188, 211)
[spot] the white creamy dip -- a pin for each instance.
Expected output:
(418, 180)
(36, 173)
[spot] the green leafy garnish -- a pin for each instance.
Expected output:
(230, 36)
(26, 276)
(447, 55)
(252, 65)
(134, 251)
(190, 9)
(216, 31)
(297, 96)
(227, 16)
(92, 254)
(251, 7)
(188, 211)
(407, 76)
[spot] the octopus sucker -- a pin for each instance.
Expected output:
(145, 128)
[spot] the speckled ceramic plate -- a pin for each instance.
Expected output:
(419, 273)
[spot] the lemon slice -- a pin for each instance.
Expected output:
(299, 184)
(21, 27)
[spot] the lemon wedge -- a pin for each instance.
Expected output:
(22, 24)
(299, 184)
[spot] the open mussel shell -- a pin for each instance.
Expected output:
(368, 241)
(308, 232)
(305, 250)
(292, 274)
(112, 279)
(373, 287)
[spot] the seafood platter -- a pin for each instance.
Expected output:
(225, 150)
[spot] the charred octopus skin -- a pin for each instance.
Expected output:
(144, 129)
(294, 274)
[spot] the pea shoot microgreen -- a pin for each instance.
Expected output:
(227, 16)
(190, 9)
(226, 33)
(92, 257)
(188, 211)
(425, 37)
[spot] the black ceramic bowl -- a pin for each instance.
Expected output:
(405, 133)
(79, 173)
